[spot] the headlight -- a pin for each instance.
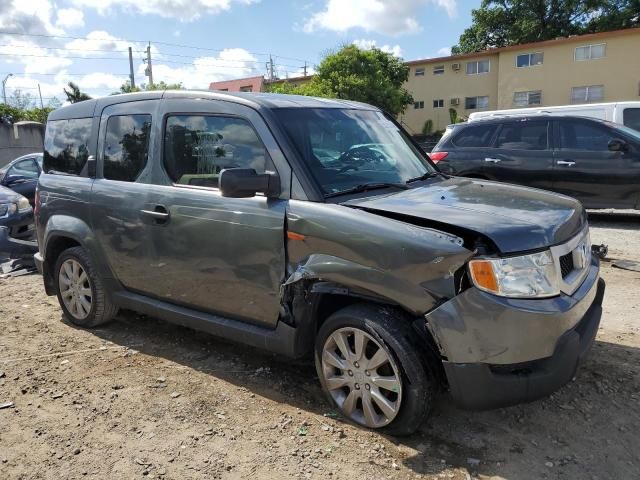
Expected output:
(23, 204)
(527, 276)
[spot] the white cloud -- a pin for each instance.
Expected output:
(70, 18)
(390, 17)
(229, 63)
(183, 10)
(444, 52)
(369, 44)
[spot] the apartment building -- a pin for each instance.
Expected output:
(599, 67)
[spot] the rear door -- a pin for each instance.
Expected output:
(121, 191)
(466, 150)
(213, 253)
(586, 169)
(521, 154)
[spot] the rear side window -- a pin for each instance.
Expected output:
(126, 146)
(631, 118)
(474, 136)
(197, 148)
(66, 145)
(523, 136)
(584, 136)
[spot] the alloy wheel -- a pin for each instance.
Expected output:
(75, 288)
(361, 377)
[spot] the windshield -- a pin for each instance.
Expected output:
(349, 148)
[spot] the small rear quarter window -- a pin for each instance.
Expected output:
(474, 136)
(66, 145)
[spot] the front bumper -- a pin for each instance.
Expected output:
(499, 351)
(20, 224)
(15, 247)
(478, 386)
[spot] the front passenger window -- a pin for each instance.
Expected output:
(24, 168)
(584, 136)
(198, 147)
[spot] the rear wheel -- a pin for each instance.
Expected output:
(80, 291)
(371, 371)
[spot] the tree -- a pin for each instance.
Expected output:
(370, 76)
(500, 23)
(127, 88)
(74, 95)
(21, 101)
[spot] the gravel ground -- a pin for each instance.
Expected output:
(142, 398)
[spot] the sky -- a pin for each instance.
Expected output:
(195, 42)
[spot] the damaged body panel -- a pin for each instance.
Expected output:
(410, 266)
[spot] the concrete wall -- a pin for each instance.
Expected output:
(19, 139)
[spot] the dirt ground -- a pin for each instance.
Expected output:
(142, 398)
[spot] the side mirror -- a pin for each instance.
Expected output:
(617, 145)
(12, 180)
(246, 182)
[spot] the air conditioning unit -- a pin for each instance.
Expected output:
(455, 66)
(455, 101)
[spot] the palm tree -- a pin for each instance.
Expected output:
(74, 95)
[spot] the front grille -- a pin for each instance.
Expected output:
(3, 209)
(566, 264)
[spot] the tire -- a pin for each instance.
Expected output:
(80, 290)
(405, 384)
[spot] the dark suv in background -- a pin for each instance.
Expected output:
(316, 228)
(595, 161)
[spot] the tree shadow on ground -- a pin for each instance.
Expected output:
(588, 429)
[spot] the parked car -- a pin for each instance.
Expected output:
(16, 214)
(622, 113)
(21, 175)
(315, 227)
(595, 161)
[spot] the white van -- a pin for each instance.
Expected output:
(623, 113)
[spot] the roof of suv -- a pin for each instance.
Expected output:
(535, 116)
(255, 100)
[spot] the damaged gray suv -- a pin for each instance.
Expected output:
(314, 227)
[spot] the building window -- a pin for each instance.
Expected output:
(476, 68)
(524, 99)
(438, 103)
(420, 72)
(439, 70)
(246, 88)
(472, 103)
(590, 52)
(529, 59)
(418, 105)
(592, 93)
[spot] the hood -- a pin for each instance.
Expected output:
(7, 195)
(515, 218)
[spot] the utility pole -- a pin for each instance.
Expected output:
(149, 70)
(44, 117)
(272, 76)
(132, 80)
(305, 69)
(4, 87)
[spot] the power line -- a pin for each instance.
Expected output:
(2, 32)
(62, 74)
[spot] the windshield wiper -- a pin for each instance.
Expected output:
(427, 175)
(363, 187)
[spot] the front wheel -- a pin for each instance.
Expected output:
(371, 371)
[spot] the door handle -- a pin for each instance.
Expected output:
(564, 162)
(159, 214)
(492, 160)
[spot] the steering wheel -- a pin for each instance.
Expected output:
(358, 156)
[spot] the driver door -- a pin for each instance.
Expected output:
(22, 177)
